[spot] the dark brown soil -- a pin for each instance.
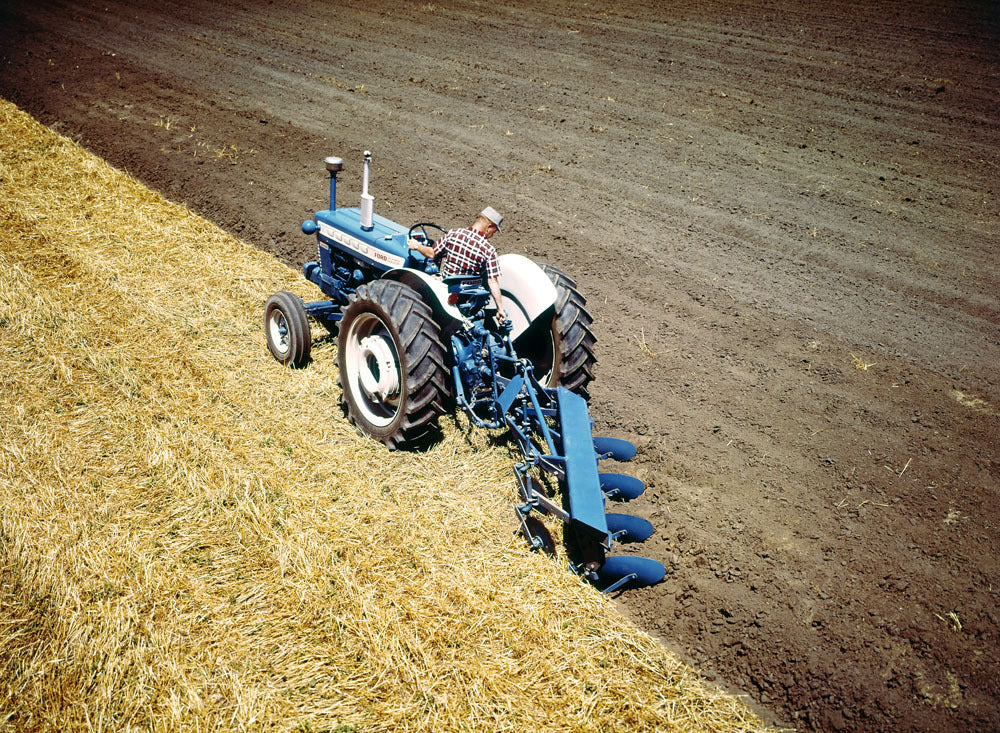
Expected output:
(757, 198)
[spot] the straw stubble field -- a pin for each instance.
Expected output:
(192, 538)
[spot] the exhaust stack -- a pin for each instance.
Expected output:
(367, 201)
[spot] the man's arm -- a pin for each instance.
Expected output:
(495, 291)
(421, 248)
(431, 253)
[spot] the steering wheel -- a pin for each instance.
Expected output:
(423, 226)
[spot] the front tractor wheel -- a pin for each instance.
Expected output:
(562, 349)
(287, 329)
(392, 363)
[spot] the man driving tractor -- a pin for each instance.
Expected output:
(468, 252)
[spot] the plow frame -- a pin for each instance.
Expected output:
(553, 431)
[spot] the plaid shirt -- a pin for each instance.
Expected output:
(467, 252)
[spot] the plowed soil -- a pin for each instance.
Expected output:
(783, 215)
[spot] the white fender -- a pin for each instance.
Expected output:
(526, 289)
(434, 291)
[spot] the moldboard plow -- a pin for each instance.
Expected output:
(412, 345)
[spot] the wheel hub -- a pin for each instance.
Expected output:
(279, 331)
(378, 371)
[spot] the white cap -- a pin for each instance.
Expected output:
(493, 215)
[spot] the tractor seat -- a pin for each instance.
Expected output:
(463, 283)
(468, 293)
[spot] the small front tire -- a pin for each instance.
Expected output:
(286, 328)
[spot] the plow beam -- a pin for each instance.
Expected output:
(586, 501)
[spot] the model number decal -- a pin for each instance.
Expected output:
(356, 245)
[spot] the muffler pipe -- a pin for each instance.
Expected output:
(367, 201)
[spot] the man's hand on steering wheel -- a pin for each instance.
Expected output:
(413, 236)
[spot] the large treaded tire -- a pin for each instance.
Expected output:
(392, 363)
(286, 328)
(572, 338)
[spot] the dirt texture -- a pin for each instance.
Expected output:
(784, 217)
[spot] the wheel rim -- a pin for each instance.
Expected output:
(278, 330)
(542, 350)
(374, 376)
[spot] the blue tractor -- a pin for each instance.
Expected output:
(412, 346)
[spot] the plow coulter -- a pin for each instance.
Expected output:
(413, 345)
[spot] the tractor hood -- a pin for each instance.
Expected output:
(383, 247)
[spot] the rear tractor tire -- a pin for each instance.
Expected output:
(562, 351)
(286, 328)
(392, 363)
